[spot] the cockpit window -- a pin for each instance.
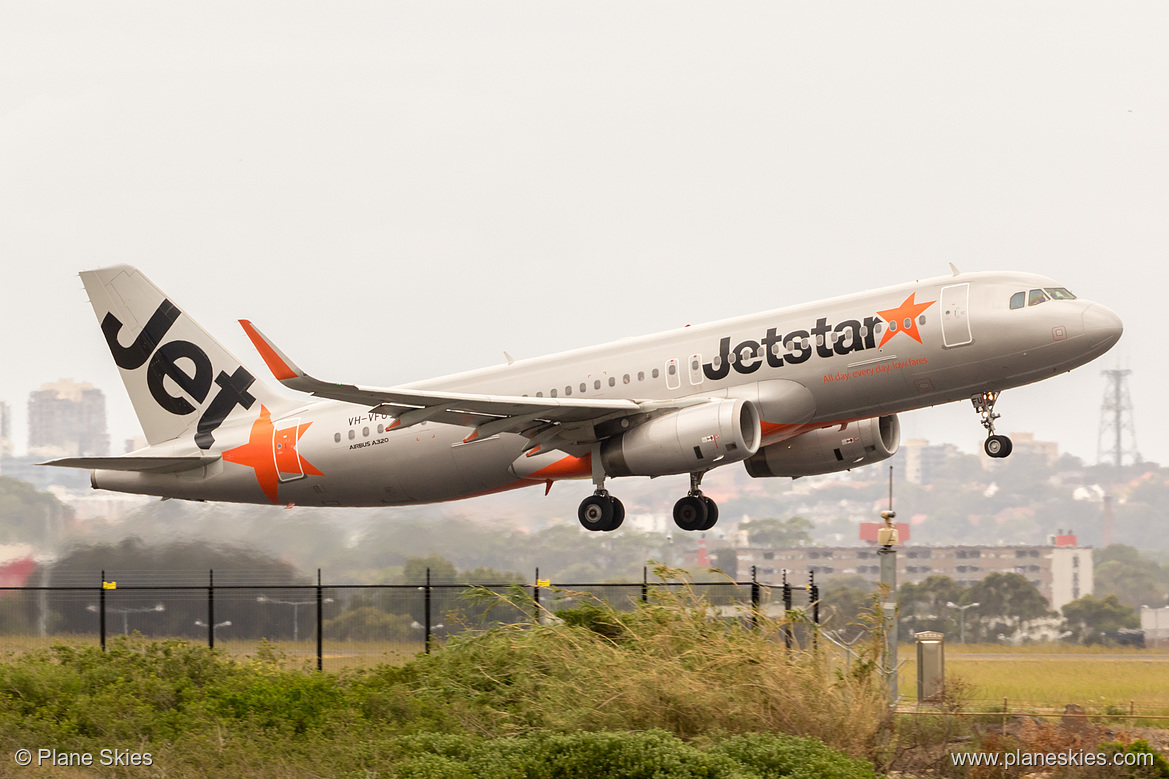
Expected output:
(1037, 296)
(1018, 300)
(1059, 293)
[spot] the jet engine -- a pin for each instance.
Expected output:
(836, 448)
(696, 438)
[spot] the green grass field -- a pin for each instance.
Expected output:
(1044, 677)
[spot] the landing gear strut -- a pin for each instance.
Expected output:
(600, 511)
(996, 445)
(695, 511)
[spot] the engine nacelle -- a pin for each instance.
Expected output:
(829, 449)
(690, 439)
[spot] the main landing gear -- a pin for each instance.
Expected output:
(996, 445)
(695, 511)
(601, 511)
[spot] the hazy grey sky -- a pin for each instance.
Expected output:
(395, 191)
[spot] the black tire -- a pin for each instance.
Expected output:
(596, 512)
(711, 513)
(618, 513)
(690, 513)
(997, 446)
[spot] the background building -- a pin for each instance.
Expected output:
(922, 460)
(67, 419)
(1061, 571)
(5, 430)
(1024, 444)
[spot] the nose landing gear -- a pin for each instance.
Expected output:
(996, 445)
(695, 511)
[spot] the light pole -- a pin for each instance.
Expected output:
(201, 624)
(961, 617)
(295, 604)
(126, 613)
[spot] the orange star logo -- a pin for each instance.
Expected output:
(271, 452)
(903, 319)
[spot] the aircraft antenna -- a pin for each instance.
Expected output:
(1117, 430)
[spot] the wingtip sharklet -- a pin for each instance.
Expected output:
(282, 368)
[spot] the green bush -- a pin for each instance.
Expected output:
(646, 755)
(664, 691)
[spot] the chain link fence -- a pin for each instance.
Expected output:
(342, 625)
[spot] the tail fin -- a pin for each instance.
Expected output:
(180, 379)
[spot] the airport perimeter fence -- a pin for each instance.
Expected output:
(340, 625)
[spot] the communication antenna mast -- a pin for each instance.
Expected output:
(1117, 441)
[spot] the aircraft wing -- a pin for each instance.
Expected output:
(489, 414)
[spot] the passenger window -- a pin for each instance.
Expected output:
(893, 326)
(365, 432)
(352, 434)
(583, 386)
(877, 328)
(1036, 296)
(921, 319)
(625, 379)
(612, 381)
(656, 373)
(597, 384)
(568, 390)
(539, 394)
(552, 393)
(336, 438)
(641, 375)
(381, 429)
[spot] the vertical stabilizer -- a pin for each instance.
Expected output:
(181, 381)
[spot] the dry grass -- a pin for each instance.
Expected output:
(670, 665)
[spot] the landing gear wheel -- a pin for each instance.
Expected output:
(711, 513)
(618, 513)
(997, 446)
(690, 513)
(599, 512)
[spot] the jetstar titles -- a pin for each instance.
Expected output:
(824, 339)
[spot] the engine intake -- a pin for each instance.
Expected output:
(691, 439)
(829, 449)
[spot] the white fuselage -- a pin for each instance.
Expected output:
(963, 338)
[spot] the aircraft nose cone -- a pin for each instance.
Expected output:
(1101, 324)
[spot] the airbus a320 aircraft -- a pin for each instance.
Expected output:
(804, 390)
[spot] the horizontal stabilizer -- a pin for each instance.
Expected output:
(141, 464)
